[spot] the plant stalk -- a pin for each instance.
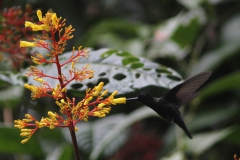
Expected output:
(74, 141)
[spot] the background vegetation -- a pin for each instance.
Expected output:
(185, 36)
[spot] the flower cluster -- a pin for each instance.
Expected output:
(54, 41)
(12, 31)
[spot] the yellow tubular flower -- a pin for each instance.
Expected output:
(29, 24)
(87, 100)
(98, 89)
(76, 129)
(42, 27)
(97, 113)
(38, 79)
(114, 93)
(54, 20)
(51, 114)
(39, 14)
(24, 141)
(27, 44)
(31, 87)
(25, 134)
(72, 65)
(102, 115)
(36, 27)
(119, 100)
(101, 105)
(104, 93)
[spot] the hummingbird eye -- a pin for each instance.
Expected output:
(143, 95)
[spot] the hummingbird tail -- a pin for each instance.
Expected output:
(179, 121)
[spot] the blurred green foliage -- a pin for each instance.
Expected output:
(183, 36)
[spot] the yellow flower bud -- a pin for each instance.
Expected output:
(24, 141)
(27, 44)
(29, 24)
(62, 101)
(98, 89)
(39, 14)
(51, 126)
(41, 27)
(26, 120)
(102, 115)
(54, 20)
(16, 125)
(26, 130)
(64, 90)
(101, 105)
(39, 79)
(104, 93)
(114, 93)
(28, 116)
(51, 114)
(96, 113)
(76, 129)
(106, 109)
(87, 100)
(25, 134)
(119, 100)
(72, 65)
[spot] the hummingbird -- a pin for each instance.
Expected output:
(168, 105)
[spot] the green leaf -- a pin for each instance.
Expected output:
(212, 117)
(119, 128)
(67, 153)
(11, 143)
(204, 141)
(112, 68)
(191, 29)
(212, 59)
(222, 84)
(91, 134)
(175, 36)
(61, 152)
(129, 59)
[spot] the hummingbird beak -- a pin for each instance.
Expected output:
(135, 98)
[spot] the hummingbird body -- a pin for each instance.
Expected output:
(168, 105)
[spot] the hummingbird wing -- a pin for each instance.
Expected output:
(186, 91)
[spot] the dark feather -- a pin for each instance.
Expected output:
(186, 91)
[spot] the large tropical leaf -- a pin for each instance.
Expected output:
(226, 83)
(117, 69)
(203, 141)
(91, 134)
(119, 129)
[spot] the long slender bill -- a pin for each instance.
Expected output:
(135, 98)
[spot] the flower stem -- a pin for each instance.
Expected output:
(74, 141)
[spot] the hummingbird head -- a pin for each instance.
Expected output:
(142, 97)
